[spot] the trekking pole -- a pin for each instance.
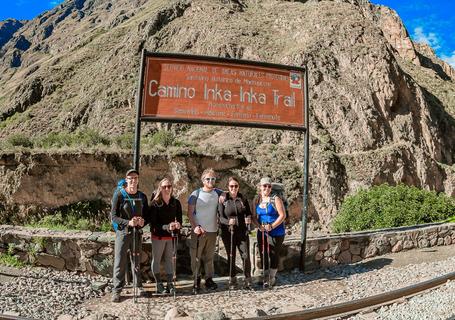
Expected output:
(134, 266)
(231, 229)
(248, 231)
(268, 255)
(175, 239)
(263, 256)
(197, 264)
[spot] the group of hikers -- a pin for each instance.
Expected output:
(209, 209)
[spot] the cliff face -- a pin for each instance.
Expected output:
(381, 107)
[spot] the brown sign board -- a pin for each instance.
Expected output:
(192, 89)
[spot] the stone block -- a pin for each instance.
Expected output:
(371, 251)
(356, 258)
(328, 253)
(345, 243)
(408, 244)
(447, 240)
(323, 246)
(393, 241)
(48, 260)
(311, 250)
(103, 264)
(345, 257)
(355, 249)
(106, 250)
(319, 255)
(397, 247)
(328, 262)
(424, 243)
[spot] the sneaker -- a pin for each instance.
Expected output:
(210, 284)
(115, 297)
(160, 288)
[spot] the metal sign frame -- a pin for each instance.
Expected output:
(227, 61)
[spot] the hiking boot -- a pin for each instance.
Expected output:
(247, 285)
(141, 292)
(160, 288)
(170, 288)
(210, 284)
(197, 286)
(233, 283)
(115, 297)
(273, 277)
(272, 281)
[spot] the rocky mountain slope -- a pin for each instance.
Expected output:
(382, 108)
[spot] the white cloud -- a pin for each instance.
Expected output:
(449, 59)
(429, 38)
(53, 3)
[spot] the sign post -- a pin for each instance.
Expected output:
(178, 88)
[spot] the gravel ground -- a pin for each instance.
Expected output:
(48, 294)
(436, 304)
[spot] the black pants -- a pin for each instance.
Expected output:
(270, 250)
(240, 242)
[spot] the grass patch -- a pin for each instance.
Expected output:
(9, 260)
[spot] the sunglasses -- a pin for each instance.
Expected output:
(234, 186)
(267, 186)
(166, 186)
(210, 179)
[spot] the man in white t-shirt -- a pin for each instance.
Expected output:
(202, 213)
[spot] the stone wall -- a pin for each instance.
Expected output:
(93, 252)
(353, 247)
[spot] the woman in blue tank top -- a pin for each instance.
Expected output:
(269, 215)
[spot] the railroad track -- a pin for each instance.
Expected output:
(342, 309)
(356, 306)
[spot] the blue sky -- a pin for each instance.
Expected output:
(432, 22)
(25, 9)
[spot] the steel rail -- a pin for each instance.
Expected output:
(355, 306)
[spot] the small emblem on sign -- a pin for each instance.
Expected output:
(295, 80)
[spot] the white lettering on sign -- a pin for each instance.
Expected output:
(155, 89)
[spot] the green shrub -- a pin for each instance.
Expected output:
(84, 215)
(55, 140)
(386, 206)
(125, 141)
(163, 138)
(90, 137)
(19, 140)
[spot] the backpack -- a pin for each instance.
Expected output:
(278, 191)
(124, 197)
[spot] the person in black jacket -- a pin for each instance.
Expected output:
(165, 221)
(129, 207)
(235, 218)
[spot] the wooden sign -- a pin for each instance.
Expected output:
(178, 88)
